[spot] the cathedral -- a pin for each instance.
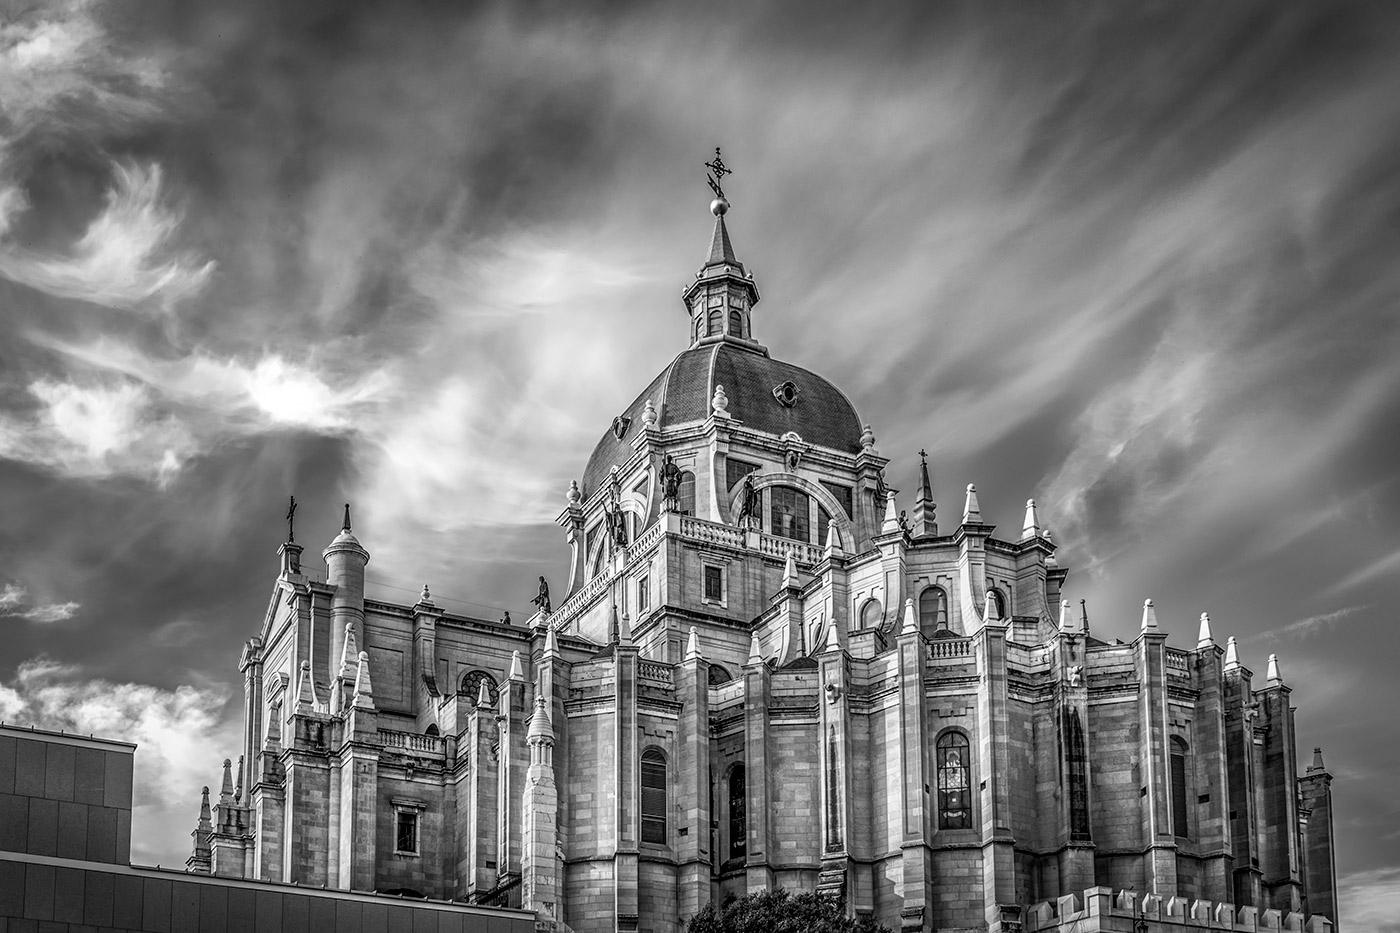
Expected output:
(765, 673)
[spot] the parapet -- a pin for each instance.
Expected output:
(1090, 913)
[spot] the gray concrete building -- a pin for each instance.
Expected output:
(763, 672)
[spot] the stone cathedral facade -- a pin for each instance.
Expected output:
(763, 672)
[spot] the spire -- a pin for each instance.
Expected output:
(721, 250)
(346, 526)
(306, 693)
(1149, 616)
(364, 690)
(1067, 621)
(226, 791)
(206, 823)
(1232, 654)
(925, 512)
(1272, 675)
(911, 619)
(1030, 528)
(891, 522)
(1084, 616)
(1313, 768)
(790, 580)
(833, 541)
(692, 646)
(516, 672)
(1205, 639)
(755, 652)
(238, 787)
(483, 695)
(972, 511)
(989, 611)
(624, 630)
(833, 637)
(349, 653)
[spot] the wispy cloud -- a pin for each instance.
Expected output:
(1370, 900)
(124, 258)
(1310, 625)
(1383, 566)
(173, 731)
(14, 602)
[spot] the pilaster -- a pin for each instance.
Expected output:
(1213, 837)
(757, 681)
(1000, 906)
(626, 774)
(1159, 839)
(693, 782)
(917, 861)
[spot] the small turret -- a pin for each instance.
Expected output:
(541, 729)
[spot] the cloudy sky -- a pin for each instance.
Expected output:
(1137, 261)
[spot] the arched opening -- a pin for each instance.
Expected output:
(788, 513)
(1180, 824)
(954, 780)
(736, 323)
(719, 675)
(685, 499)
(432, 729)
(933, 610)
(470, 686)
(715, 321)
(653, 796)
(871, 614)
(738, 813)
(999, 599)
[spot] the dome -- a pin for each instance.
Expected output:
(819, 413)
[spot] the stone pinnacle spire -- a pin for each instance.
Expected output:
(1232, 654)
(551, 643)
(1205, 639)
(911, 618)
(516, 671)
(1316, 765)
(483, 695)
(1030, 528)
(721, 250)
(206, 823)
(1272, 675)
(692, 646)
(541, 729)
(755, 652)
(1068, 623)
(364, 690)
(972, 510)
(925, 511)
(1149, 616)
(989, 609)
(349, 653)
(226, 791)
(790, 570)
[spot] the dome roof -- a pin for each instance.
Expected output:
(681, 393)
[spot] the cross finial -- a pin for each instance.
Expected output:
(718, 170)
(291, 517)
(923, 455)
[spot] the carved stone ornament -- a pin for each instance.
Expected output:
(649, 415)
(1074, 672)
(720, 403)
(833, 693)
(786, 393)
(620, 424)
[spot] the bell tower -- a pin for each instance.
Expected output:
(720, 301)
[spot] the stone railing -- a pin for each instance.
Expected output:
(645, 541)
(940, 648)
(575, 604)
(1104, 908)
(804, 553)
(413, 741)
(657, 672)
(697, 529)
(1178, 662)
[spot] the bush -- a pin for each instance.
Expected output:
(780, 912)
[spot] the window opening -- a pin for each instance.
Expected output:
(406, 833)
(954, 810)
(933, 610)
(654, 797)
(738, 813)
(714, 583)
(685, 500)
(788, 514)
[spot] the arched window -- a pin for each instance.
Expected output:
(432, 729)
(719, 675)
(736, 323)
(715, 319)
(871, 614)
(685, 501)
(1178, 777)
(933, 610)
(738, 813)
(823, 524)
(654, 796)
(471, 686)
(1000, 599)
(954, 792)
(788, 513)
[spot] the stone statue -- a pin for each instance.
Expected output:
(505, 619)
(541, 599)
(748, 501)
(670, 482)
(616, 524)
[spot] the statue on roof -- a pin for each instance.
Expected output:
(541, 599)
(670, 484)
(748, 503)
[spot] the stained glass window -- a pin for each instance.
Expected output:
(954, 793)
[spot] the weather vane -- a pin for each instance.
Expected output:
(291, 518)
(719, 170)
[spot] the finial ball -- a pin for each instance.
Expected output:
(719, 206)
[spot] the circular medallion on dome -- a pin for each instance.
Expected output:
(786, 393)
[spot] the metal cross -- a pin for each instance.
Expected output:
(923, 455)
(720, 170)
(291, 517)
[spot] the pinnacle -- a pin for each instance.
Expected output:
(911, 618)
(990, 613)
(692, 646)
(755, 652)
(1149, 616)
(1205, 639)
(972, 509)
(1232, 654)
(1030, 528)
(721, 250)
